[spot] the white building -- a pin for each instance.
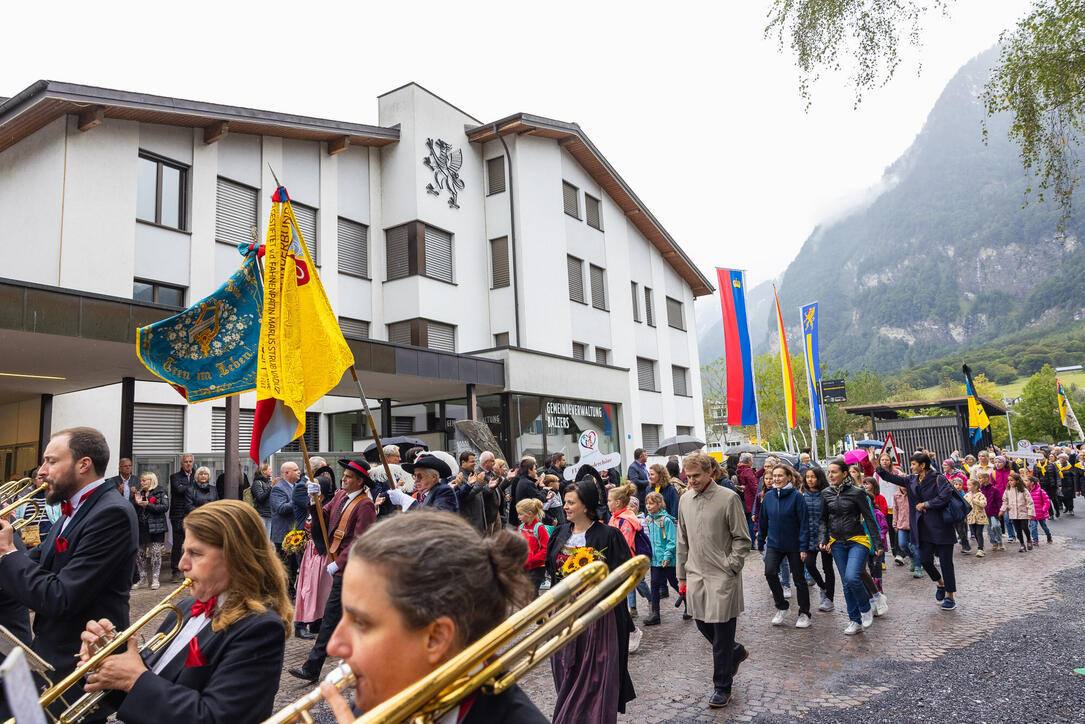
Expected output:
(542, 289)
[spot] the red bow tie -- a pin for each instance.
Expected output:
(207, 607)
(66, 506)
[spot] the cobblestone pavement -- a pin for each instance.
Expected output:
(811, 674)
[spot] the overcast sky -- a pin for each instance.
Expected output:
(698, 112)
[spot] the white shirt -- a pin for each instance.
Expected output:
(126, 487)
(189, 631)
(78, 499)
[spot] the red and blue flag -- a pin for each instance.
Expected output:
(741, 403)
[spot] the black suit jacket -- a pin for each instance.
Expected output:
(90, 580)
(440, 497)
(509, 707)
(179, 485)
(237, 684)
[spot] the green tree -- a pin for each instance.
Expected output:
(1037, 80)
(1036, 416)
(714, 396)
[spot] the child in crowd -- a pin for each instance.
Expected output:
(623, 516)
(534, 532)
(962, 527)
(903, 526)
(877, 562)
(552, 508)
(993, 494)
(1042, 504)
(1017, 502)
(664, 538)
(977, 514)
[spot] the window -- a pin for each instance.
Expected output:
(580, 350)
(400, 332)
(440, 336)
(235, 212)
(602, 356)
(680, 377)
(675, 318)
(684, 430)
(646, 374)
(569, 197)
(158, 429)
(501, 339)
(353, 248)
(161, 190)
(438, 255)
(593, 212)
(636, 303)
(649, 437)
(312, 435)
(218, 430)
(146, 291)
(597, 278)
(495, 175)
(576, 280)
(397, 252)
(499, 262)
(649, 310)
(423, 333)
(354, 327)
(306, 218)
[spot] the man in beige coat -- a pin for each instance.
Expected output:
(713, 541)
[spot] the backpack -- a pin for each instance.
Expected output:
(642, 545)
(958, 508)
(535, 531)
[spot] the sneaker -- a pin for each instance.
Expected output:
(826, 604)
(719, 700)
(854, 627)
(918, 573)
(803, 622)
(880, 604)
(1035, 542)
(939, 593)
(980, 553)
(949, 604)
(778, 618)
(634, 640)
(687, 616)
(154, 586)
(1049, 541)
(868, 617)
(1021, 549)
(899, 560)
(787, 593)
(652, 620)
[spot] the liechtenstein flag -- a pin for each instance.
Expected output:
(741, 404)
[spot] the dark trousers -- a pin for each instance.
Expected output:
(333, 611)
(977, 530)
(773, 558)
(660, 578)
(537, 576)
(962, 535)
(893, 544)
(828, 582)
(927, 552)
(1056, 499)
(290, 561)
(725, 652)
(178, 544)
(1068, 497)
(1024, 535)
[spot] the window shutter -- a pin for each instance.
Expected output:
(400, 332)
(306, 217)
(354, 327)
(598, 287)
(353, 247)
(674, 314)
(158, 429)
(312, 435)
(646, 374)
(679, 377)
(438, 254)
(592, 212)
(649, 311)
(579, 350)
(569, 199)
(636, 303)
(495, 175)
(501, 339)
(602, 356)
(499, 261)
(441, 336)
(218, 430)
(576, 280)
(235, 213)
(402, 425)
(685, 430)
(396, 253)
(649, 437)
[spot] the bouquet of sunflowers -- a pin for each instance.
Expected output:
(577, 559)
(294, 541)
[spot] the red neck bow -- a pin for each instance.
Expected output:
(66, 506)
(207, 608)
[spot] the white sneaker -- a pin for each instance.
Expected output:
(803, 622)
(853, 628)
(634, 640)
(778, 618)
(899, 560)
(787, 592)
(980, 553)
(879, 605)
(868, 618)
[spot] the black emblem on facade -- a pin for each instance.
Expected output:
(445, 164)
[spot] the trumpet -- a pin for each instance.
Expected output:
(87, 703)
(15, 490)
(341, 677)
(566, 610)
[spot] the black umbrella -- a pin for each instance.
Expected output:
(403, 443)
(678, 445)
(749, 447)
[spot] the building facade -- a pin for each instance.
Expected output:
(500, 271)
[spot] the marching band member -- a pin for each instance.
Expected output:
(224, 664)
(407, 609)
(83, 569)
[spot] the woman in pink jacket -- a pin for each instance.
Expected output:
(1042, 503)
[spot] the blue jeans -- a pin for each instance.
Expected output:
(850, 558)
(904, 542)
(1008, 527)
(642, 589)
(1036, 529)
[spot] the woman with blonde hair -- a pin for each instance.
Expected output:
(659, 480)
(225, 663)
(151, 504)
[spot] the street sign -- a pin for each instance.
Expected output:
(832, 391)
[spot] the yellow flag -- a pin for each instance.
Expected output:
(302, 351)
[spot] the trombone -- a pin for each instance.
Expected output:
(87, 703)
(15, 491)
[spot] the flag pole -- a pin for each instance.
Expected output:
(373, 428)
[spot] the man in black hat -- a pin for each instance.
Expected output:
(429, 473)
(349, 513)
